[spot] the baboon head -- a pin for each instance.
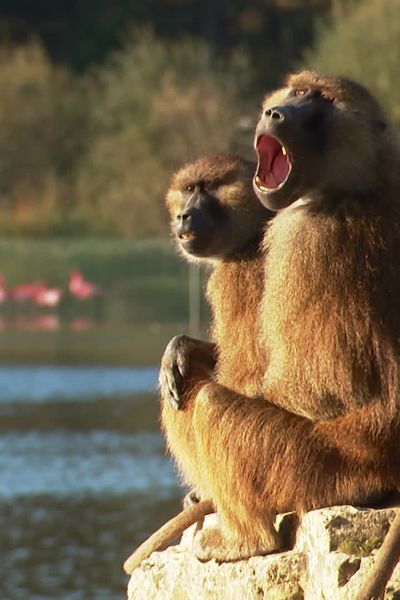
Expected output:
(214, 211)
(318, 136)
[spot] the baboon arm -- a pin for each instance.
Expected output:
(280, 461)
(186, 364)
(178, 430)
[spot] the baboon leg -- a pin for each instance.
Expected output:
(259, 460)
(247, 527)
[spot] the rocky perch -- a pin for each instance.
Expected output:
(332, 554)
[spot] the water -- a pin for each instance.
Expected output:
(84, 479)
(35, 384)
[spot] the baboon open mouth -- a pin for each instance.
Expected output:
(274, 164)
(186, 236)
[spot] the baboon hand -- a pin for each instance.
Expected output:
(186, 361)
(174, 369)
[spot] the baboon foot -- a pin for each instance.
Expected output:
(211, 543)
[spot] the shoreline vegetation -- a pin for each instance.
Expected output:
(89, 151)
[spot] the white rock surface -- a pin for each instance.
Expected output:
(333, 552)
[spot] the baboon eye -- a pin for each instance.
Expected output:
(327, 97)
(300, 91)
(189, 188)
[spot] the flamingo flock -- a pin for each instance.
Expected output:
(40, 294)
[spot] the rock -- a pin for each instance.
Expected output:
(332, 555)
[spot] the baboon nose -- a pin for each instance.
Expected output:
(275, 114)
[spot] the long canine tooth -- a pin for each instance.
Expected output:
(284, 151)
(260, 184)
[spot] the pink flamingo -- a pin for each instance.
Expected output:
(3, 289)
(37, 292)
(25, 291)
(82, 289)
(48, 296)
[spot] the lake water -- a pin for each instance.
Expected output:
(43, 383)
(84, 479)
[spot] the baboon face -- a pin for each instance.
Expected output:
(316, 136)
(214, 212)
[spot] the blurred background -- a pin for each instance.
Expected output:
(99, 103)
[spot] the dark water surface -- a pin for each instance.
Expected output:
(83, 479)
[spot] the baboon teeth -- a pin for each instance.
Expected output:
(260, 185)
(284, 151)
(186, 236)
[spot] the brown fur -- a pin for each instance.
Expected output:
(236, 356)
(234, 291)
(331, 328)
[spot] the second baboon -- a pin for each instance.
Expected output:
(216, 219)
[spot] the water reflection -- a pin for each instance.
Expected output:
(74, 463)
(72, 549)
(83, 479)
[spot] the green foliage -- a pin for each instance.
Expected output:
(154, 106)
(277, 27)
(363, 43)
(107, 261)
(93, 155)
(40, 135)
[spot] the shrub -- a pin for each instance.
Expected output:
(93, 154)
(363, 43)
(40, 136)
(154, 105)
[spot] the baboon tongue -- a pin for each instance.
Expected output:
(274, 166)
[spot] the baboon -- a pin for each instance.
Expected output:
(217, 219)
(324, 429)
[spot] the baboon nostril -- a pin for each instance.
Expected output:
(275, 114)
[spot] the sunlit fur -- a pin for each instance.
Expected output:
(330, 323)
(235, 285)
(234, 290)
(228, 178)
